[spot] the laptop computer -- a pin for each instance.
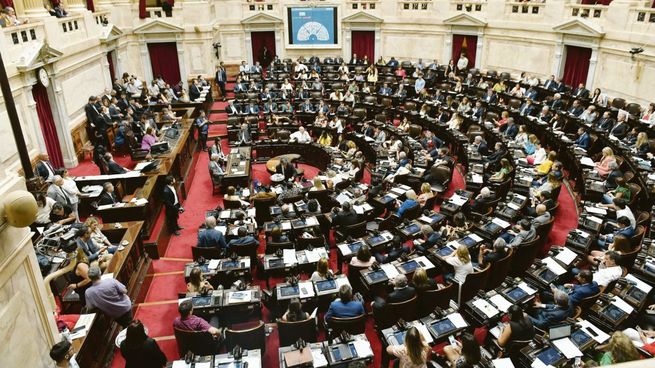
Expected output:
(559, 331)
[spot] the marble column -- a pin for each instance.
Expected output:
(33, 8)
(76, 5)
(593, 60)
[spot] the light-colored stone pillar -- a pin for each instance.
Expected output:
(593, 61)
(76, 5)
(33, 8)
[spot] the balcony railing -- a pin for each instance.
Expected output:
(643, 15)
(586, 11)
(102, 17)
(24, 34)
(527, 9)
(468, 5)
(260, 5)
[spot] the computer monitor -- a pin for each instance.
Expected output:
(275, 263)
(376, 276)
(326, 285)
(580, 337)
(376, 240)
(289, 291)
(443, 327)
(613, 312)
(548, 275)
(549, 356)
(204, 268)
(399, 337)
(491, 228)
(559, 331)
(201, 301)
(445, 251)
(409, 266)
(412, 229)
(230, 264)
(354, 247)
(468, 241)
(516, 294)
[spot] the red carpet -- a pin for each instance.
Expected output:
(160, 304)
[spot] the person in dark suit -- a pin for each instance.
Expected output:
(92, 111)
(344, 217)
(531, 93)
(397, 249)
(244, 134)
(493, 254)
(556, 104)
(550, 83)
(620, 130)
(527, 108)
(585, 288)
(231, 109)
(546, 315)
(495, 157)
(605, 123)
(478, 111)
(401, 292)
(368, 130)
(114, 168)
(139, 350)
(210, 237)
(430, 239)
(221, 78)
(172, 205)
(511, 129)
(481, 202)
(44, 168)
(241, 239)
(108, 195)
(385, 90)
(102, 122)
(286, 168)
(480, 145)
(583, 141)
(202, 124)
(490, 97)
(194, 90)
(345, 306)
(576, 109)
(354, 60)
(581, 91)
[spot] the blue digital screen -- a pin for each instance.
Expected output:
(312, 26)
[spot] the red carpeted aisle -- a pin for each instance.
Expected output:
(159, 308)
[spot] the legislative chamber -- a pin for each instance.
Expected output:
(327, 183)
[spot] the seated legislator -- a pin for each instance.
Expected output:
(481, 201)
(114, 168)
(489, 255)
(524, 232)
(210, 237)
(188, 322)
(363, 258)
(61, 214)
(148, 139)
(301, 136)
(584, 140)
(197, 283)
(585, 288)
(421, 282)
(215, 169)
(413, 352)
(401, 292)
(108, 196)
(345, 306)
(242, 238)
(608, 269)
(463, 354)
(624, 228)
(322, 272)
(109, 296)
(344, 217)
(460, 260)
(139, 350)
(602, 166)
(286, 168)
(396, 251)
(294, 312)
(411, 201)
(545, 316)
(519, 327)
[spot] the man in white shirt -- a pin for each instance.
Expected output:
(63, 354)
(301, 136)
(300, 67)
(244, 68)
(608, 269)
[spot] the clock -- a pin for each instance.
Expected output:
(43, 76)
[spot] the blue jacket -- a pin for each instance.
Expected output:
(580, 292)
(583, 141)
(245, 240)
(210, 238)
(627, 231)
(511, 131)
(406, 205)
(343, 310)
(549, 316)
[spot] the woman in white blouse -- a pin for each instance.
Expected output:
(455, 122)
(522, 136)
(539, 154)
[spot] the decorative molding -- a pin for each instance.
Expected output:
(580, 27)
(362, 17)
(36, 56)
(466, 20)
(158, 26)
(110, 33)
(261, 19)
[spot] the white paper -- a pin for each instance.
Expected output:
(525, 287)
(596, 210)
(392, 195)
(500, 302)
(311, 221)
(640, 284)
(358, 210)
(179, 364)
(567, 347)
(319, 360)
(289, 256)
(341, 198)
(495, 332)
(398, 191)
(425, 261)
(213, 264)
(286, 225)
(538, 364)
(457, 320)
(566, 256)
(486, 308)
(245, 193)
(390, 270)
(312, 256)
(582, 233)
(475, 237)
(306, 289)
(345, 249)
(340, 281)
(595, 219)
(457, 200)
(502, 363)
(363, 348)
(225, 214)
(203, 365)
(586, 161)
(502, 223)
(424, 332)
(514, 206)
(600, 337)
(251, 212)
(554, 266)
(222, 229)
(621, 304)
(425, 219)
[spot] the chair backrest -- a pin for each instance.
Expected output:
(635, 240)
(405, 310)
(635, 189)
(415, 130)
(322, 196)
(231, 204)
(246, 250)
(262, 209)
(290, 332)
(272, 247)
(627, 259)
(514, 349)
(252, 338)
(618, 103)
(587, 302)
(429, 299)
(441, 174)
(206, 253)
(524, 255)
(412, 213)
(474, 281)
(197, 342)
(356, 230)
(315, 242)
(643, 218)
(353, 325)
(293, 199)
(499, 270)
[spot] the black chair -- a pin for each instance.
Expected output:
(499, 270)
(524, 255)
(355, 231)
(197, 342)
(315, 242)
(290, 332)
(206, 253)
(352, 325)
(229, 204)
(429, 299)
(474, 281)
(272, 247)
(246, 250)
(389, 315)
(251, 338)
